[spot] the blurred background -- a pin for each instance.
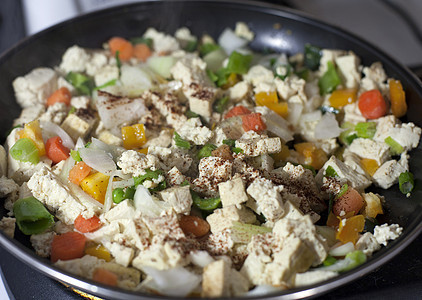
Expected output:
(395, 26)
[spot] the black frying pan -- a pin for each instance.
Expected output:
(293, 30)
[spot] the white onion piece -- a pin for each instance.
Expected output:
(275, 123)
(57, 130)
(261, 290)
(295, 112)
(99, 160)
(112, 149)
(67, 166)
(342, 250)
(108, 201)
(80, 143)
(311, 117)
(123, 183)
(172, 282)
(84, 198)
(120, 174)
(200, 258)
(146, 204)
(229, 41)
(327, 127)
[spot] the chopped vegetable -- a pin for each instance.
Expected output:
(161, 65)
(108, 83)
(373, 206)
(348, 135)
(406, 182)
(237, 111)
(105, 276)
(350, 228)
(181, 143)
(207, 48)
(340, 98)
(242, 233)
(352, 260)
(238, 63)
(75, 155)
(96, 186)
(122, 46)
(33, 131)
(369, 165)
(253, 122)
(31, 216)
(330, 260)
(229, 80)
(221, 104)
(312, 57)
(142, 40)
(194, 225)
(329, 80)
(98, 251)
(150, 175)
(82, 83)
(133, 136)
(330, 172)
(314, 156)
(372, 104)
(66, 246)
(87, 225)
(366, 130)
(142, 52)
(25, 150)
(395, 148)
(350, 201)
(79, 172)
(55, 149)
(270, 100)
(62, 95)
(206, 151)
(119, 194)
(397, 98)
(343, 190)
(205, 204)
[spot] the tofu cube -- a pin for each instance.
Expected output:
(232, 192)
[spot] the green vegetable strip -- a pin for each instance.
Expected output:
(142, 40)
(118, 62)
(330, 172)
(31, 216)
(221, 104)
(204, 49)
(366, 130)
(231, 143)
(205, 204)
(239, 63)
(149, 175)
(25, 150)
(75, 155)
(329, 80)
(395, 148)
(108, 83)
(242, 233)
(406, 182)
(206, 150)
(356, 258)
(343, 190)
(181, 143)
(82, 83)
(191, 46)
(312, 57)
(330, 260)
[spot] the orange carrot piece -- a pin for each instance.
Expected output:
(61, 95)
(195, 225)
(253, 122)
(79, 172)
(105, 276)
(55, 149)
(122, 45)
(237, 111)
(87, 225)
(66, 246)
(142, 52)
(351, 201)
(372, 104)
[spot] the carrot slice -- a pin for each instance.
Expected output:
(87, 225)
(79, 172)
(253, 122)
(351, 201)
(61, 95)
(104, 276)
(55, 149)
(142, 52)
(237, 111)
(122, 45)
(69, 245)
(397, 98)
(195, 225)
(372, 104)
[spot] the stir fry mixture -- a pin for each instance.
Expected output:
(183, 165)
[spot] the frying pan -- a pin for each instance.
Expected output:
(277, 29)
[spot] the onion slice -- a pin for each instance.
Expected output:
(327, 127)
(146, 204)
(123, 183)
(55, 130)
(99, 160)
(342, 250)
(229, 41)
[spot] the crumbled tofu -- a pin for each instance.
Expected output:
(78, 124)
(123, 210)
(35, 87)
(384, 124)
(215, 168)
(267, 197)
(171, 157)
(7, 186)
(312, 277)
(179, 198)
(123, 255)
(163, 139)
(220, 280)
(42, 243)
(80, 102)
(175, 177)
(96, 62)
(47, 188)
(162, 43)
(29, 114)
(133, 162)
(258, 145)
(329, 55)
(128, 278)
(388, 173)
(7, 225)
(385, 233)
(368, 244)
(232, 192)
(106, 74)
(84, 266)
(222, 218)
(258, 74)
(193, 131)
(406, 134)
(292, 89)
(367, 148)
(3, 161)
(239, 91)
(242, 30)
(352, 113)
(74, 60)
(348, 67)
(55, 113)
(357, 181)
(184, 36)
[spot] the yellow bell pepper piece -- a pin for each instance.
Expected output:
(350, 228)
(270, 100)
(397, 98)
(282, 155)
(133, 136)
(143, 150)
(98, 251)
(96, 186)
(314, 156)
(340, 98)
(231, 81)
(32, 130)
(373, 205)
(369, 165)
